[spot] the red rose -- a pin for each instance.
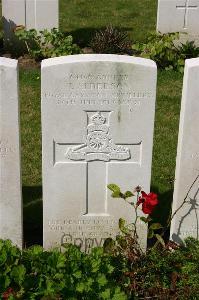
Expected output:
(7, 293)
(148, 202)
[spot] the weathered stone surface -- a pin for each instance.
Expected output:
(179, 16)
(185, 223)
(97, 128)
(10, 175)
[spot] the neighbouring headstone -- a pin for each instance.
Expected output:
(10, 174)
(179, 16)
(42, 14)
(97, 129)
(32, 14)
(186, 220)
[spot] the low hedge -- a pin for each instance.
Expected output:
(115, 273)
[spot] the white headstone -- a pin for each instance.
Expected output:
(186, 223)
(10, 176)
(32, 14)
(97, 127)
(42, 14)
(179, 16)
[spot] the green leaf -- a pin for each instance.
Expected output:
(80, 287)
(61, 260)
(6, 281)
(105, 295)
(150, 233)
(155, 226)
(18, 273)
(102, 280)
(128, 194)
(3, 257)
(113, 187)
(110, 268)
(116, 194)
(77, 274)
(109, 245)
(119, 295)
(122, 226)
(145, 220)
(160, 239)
(121, 223)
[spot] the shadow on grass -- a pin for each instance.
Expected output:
(83, 36)
(162, 211)
(33, 215)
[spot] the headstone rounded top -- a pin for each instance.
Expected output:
(98, 57)
(193, 62)
(8, 62)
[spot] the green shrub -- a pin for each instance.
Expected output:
(166, 273)
(38, 274)
(116, 272)
(47, 44)
(110, 40)
(166, 50)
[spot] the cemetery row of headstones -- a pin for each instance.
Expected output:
(97, 128)
(172, 16)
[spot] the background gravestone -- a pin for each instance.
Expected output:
(45, 16)
(179, 16)
(186, 223)
(10, 176)
(97, 128)
(32, 14)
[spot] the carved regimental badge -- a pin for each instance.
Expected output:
(99, 144)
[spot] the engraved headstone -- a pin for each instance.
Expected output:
(186, 221)
(179, 16)
(32, 14)
(97, 128)
(10, 176)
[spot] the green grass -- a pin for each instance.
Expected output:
(82, 18)
(169, 89)
(31, 154)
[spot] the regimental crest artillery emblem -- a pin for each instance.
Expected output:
(99, 144)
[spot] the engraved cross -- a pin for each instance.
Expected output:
(186, 7)
(97, 150)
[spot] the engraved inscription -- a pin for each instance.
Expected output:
(99, 144)
(91, 76)
(5, 148)
(85, 244)
(85, 233)
(195, 155)
(106, 89)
